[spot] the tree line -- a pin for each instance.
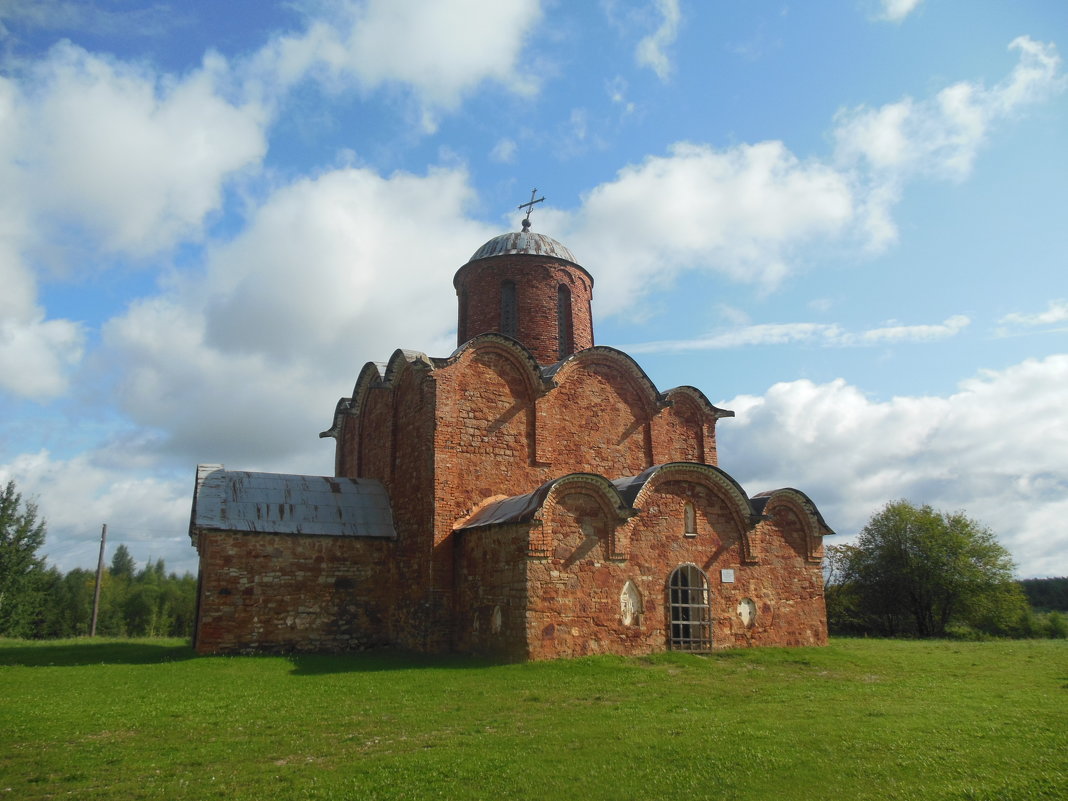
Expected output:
(37, 601)
(917, 572)
(912, 571)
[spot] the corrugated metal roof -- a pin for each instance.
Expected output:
(277, 503)
(523, 242)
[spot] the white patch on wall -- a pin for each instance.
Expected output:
(630, 604)
(495, 624)
(747, 612)
(726, 576)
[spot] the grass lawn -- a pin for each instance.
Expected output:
(860, 719)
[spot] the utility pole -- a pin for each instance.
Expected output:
(99, 575)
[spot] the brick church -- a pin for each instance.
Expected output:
(530, 496)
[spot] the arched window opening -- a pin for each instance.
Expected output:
(509, 315)
(564, 335)
(689, 520)
(690, 623)
(461, 328)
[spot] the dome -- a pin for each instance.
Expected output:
(523, 243)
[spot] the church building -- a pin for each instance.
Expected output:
(531, 496)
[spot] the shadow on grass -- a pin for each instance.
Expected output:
(382, 660)
(76, 653)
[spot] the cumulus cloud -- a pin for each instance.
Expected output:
(137, 158)
(750, 210)
(244, 362)
(130, 160)
(740, 211)
(380, 43)
(650, 51)
(993, 448)
(1057, 312)
(940, 138)
(147, 513)
(896, 10)
(824, 334)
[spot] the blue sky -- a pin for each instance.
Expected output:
(843, 220)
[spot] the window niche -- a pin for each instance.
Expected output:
(689, 520)
(747, 612)
(630, 605)
(509, 313)
(565, 340)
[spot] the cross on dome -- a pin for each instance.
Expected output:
(529, 206)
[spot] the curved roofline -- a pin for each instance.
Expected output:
(654, 398)
(632, 487)
(524, 508)
(819, 525)
(700, 398)
(492, 338)
(374, 374)
(539, 256)
(525, 242)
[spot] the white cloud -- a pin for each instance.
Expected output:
(243, 364)
(897, 10)
(749, 210)
(825, 334)
(129, 160)
(650, 50)
(137, 158)
(994, 448)
(439, 50)
(938, 138)
(148, 514)
(504, 151)
(1056, 313)
(36, 355)
(916, 333)
(739, 211)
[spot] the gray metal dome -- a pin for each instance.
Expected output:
(523, 243)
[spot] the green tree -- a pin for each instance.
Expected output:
(122, 564)
(915, 570)
(21, 570)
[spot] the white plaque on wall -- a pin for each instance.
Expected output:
(726, 576)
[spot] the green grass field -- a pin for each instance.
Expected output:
(860, 719)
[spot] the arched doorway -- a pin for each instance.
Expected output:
(690, 626)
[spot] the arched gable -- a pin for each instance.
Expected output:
(637, 488)
(512, 350)
(625, 366)
(797, 519)
(597, 416)
(637, 491)
(699, 399)
(534, 508)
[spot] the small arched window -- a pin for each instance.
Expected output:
(564, 336)
(461, 328)
(509, 321)
(689, 520)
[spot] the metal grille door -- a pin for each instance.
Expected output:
(691, 627)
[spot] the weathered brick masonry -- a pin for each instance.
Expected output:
(545, 499)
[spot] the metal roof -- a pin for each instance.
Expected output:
(523, 243)
(277, 503)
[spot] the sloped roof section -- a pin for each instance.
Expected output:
(278, 503)
(523, 243)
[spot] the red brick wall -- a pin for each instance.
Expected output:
(575, 593)
(536, 280)
(261, 592)
(492, 586)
